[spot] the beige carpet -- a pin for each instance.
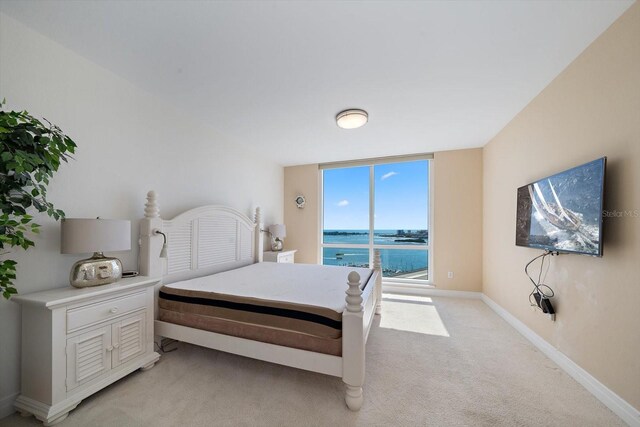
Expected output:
(430, 362)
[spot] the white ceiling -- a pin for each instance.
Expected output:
(272, 75)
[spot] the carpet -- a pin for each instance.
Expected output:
(431, 361)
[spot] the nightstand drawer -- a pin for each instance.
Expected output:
(98, 312)
(286, 258)
(281, 256)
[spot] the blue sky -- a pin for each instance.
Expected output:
(401, 196)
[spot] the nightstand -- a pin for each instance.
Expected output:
(78, 341)
(280, 256)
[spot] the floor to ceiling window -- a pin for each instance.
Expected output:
(382, 206)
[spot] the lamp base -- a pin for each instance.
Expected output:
(276, 245)
(95, 271)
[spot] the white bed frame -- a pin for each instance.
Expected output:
(211, 239)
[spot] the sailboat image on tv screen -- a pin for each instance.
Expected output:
(563, 212)
(554, 213)
(558, 225)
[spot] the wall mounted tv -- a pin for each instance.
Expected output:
(563, 212)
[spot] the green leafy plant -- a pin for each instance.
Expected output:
(31, 152)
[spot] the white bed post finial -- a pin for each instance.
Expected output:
(353, 340)
(150, 244)
(259, 238)
(377, 266)
(151, 209)
(258, 216)
(354, 293)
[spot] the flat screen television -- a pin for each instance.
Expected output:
(563, 212)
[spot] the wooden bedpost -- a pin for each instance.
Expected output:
(151, 244)
(259, 238)
(353, 340)
(377, 266)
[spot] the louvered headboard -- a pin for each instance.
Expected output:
(200, 241)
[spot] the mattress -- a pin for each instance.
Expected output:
(296, 305)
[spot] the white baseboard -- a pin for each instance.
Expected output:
(422, 290)
(6, 405)
(618, 405)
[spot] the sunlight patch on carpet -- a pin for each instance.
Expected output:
(412, 314)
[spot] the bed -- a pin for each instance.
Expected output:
(216, 292)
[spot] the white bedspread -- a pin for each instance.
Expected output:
(317, 285)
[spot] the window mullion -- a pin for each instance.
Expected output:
(371, 212)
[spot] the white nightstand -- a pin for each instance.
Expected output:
(281, 256)
(78, 341)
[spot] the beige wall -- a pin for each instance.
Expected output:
(457, 238)
(302, 224)
(592, 109)
(457, 186)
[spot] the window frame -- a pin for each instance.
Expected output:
(371, 246)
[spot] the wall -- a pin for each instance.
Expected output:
(302, 224)
(129, 142)
(457, 193)
(592, 109)
(457, 240)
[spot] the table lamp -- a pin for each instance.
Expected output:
(278, 232)
(79, 236)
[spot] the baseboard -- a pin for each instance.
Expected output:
(6, 405)
(427, 291)
(618, 405)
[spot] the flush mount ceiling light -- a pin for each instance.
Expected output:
(352, 119)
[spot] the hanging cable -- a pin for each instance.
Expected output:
(540, 290)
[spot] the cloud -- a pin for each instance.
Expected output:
(342, 203)
(388, 175)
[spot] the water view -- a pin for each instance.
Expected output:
(400, 263)
(400, 199)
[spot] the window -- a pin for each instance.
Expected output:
(378, 206)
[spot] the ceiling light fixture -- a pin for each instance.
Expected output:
(352, 119)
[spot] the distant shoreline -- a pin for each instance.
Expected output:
(408, 234)
(346, 233)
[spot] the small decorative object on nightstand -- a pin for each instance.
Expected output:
(281, 256)
(278, 232)
(78, 341)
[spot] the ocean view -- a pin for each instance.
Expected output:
(404, 263)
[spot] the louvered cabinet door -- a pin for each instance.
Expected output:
(88, 356)
(128, 339)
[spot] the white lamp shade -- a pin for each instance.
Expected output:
(278, 231)
(79, 235)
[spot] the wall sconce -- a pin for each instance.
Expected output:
(300, 201)
(163, 251)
